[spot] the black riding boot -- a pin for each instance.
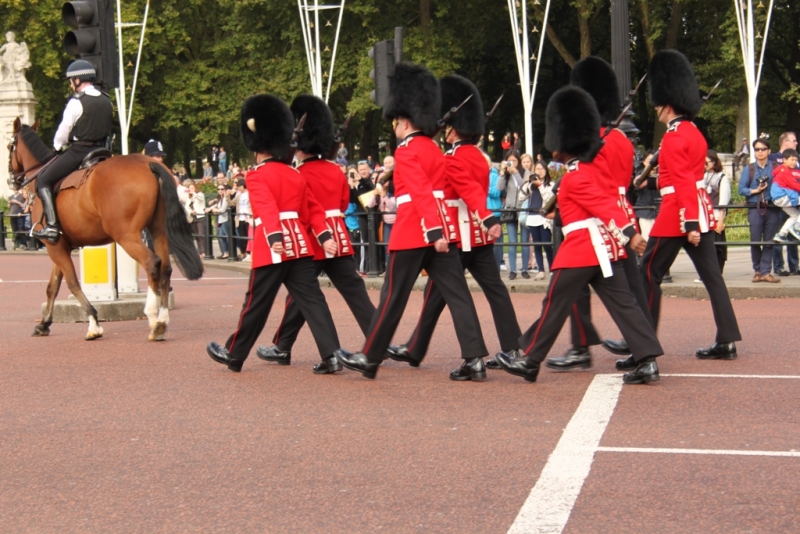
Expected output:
(51, 231)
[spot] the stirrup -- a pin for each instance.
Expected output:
(48, 233)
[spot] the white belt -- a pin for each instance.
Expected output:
(450, 203)
(623, 190)
(666, 190)
(402, 199)
(333, 213)
(285, 215)
(599, 244)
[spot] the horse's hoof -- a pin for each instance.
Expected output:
(159, 333)
(93, 335)
(40, 331)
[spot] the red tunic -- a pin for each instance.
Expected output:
(580, 200)
(283, 207)
(465, 193)
(419, 171)
(681, 162)
(616, 157)
(329, 186)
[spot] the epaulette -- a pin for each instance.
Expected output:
(572, 165)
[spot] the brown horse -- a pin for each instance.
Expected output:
(122, 196)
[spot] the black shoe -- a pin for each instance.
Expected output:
(575, 358)
(358, 362)
(329, 365)
(718, 351)
(525, 275)
(645, 372)
(620, 348)
(274, 354)
(473, 369)
(401, 354)
(796, 272)
(220, 355)
(628, 364)
(782, 272)
(519, 367)
(667, 279)
(492, 364)
(512, 275)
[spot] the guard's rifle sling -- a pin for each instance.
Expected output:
(654, 160)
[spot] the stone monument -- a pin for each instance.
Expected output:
(16, 96)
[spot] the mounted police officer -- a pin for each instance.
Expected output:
(86, 126)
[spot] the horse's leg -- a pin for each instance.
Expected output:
(136, 249)
(60, 255)
(43, 328)
(161, 245)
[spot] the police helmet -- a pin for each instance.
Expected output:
(82, 69)
(154, 148)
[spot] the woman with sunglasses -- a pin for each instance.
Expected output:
(718, 186)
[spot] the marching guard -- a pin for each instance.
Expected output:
(615, 159)
(424, 236)
(686, 219)
(596, 231)
(283, 208)
(330, 189)
(467, 185)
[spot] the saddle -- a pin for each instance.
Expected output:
(77, 178)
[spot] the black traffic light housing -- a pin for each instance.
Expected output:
(385, 55)
(92, 37)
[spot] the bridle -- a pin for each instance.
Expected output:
(16, 177)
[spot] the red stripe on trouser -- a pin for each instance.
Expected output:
(390, 275)
(650, 276)
(278, 332)
(544, 314)
(244, 311)
(413, 341)
(581, 332)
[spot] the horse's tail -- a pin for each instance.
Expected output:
(179, 232)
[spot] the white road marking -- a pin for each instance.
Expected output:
(730, 376)
(722, 452)
(549, 505)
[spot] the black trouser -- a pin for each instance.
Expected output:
(342, 273)
(659, 256)
(565, 285)
(722, 251)
(363, 228)
(583, 331)
(444, 268)
(65, 163)
(18, 230)
(241, 232)
(482, 264)
(298, 277)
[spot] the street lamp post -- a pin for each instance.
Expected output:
(621, 59)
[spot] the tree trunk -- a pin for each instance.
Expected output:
(586, 37)
(559, 46)
(425, 16)
(365, 147)
(675, 25)
(644, 5)
(172, 143)
(742, 120)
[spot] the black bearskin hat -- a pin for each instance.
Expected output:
(414, 94)
(595, 76)
(573, 124)
(469, 121)
(672, 82)
(317, 134)
(266, 124)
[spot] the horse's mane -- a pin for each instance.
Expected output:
(40, 151)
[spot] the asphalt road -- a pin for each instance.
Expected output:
(122, 435)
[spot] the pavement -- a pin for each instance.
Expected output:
(122, 435)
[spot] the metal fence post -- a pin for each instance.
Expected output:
(209, 237)
(3, 231)
(233, 254)
(372, 247)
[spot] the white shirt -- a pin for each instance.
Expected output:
(72, 113)
(243, 206)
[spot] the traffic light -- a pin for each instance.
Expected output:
(92, 37)
(385, 54)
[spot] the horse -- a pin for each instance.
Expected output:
(122, 196)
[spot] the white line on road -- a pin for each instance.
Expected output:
(723, 452)
(729, 376)
(549, 505)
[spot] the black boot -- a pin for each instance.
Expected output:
(472, 369)
(331, 364)
(519, 366)
(358, 362)
(646, 371)
(512, 354)
(274, 354)
(220, 354)
(51, 232)
(620, 348)
(718, 351)
(628, 364)
(575, 358)
(401, 354)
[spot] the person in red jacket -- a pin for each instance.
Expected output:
(465, 195)
(686, 218)
(330, 189)
(596, 231)
(424, 236)
(283, 208)
(597, 77)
